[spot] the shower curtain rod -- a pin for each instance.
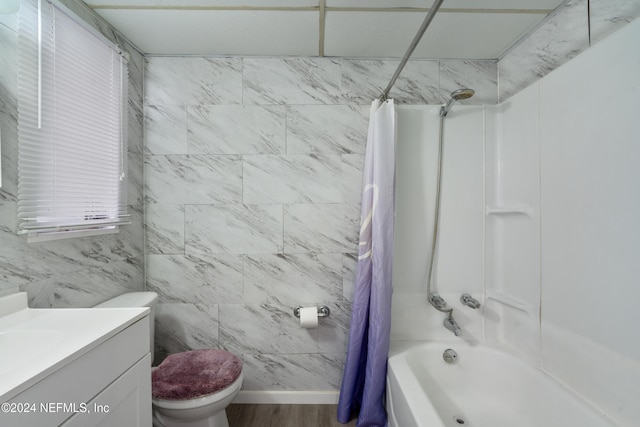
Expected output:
(425, 24)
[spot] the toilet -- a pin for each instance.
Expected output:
(136, 299)
(191, 388)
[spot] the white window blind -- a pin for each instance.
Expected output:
(71, 126)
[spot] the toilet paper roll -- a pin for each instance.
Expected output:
(309, 317)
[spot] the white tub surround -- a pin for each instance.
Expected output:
(561, 269)
(553, 239)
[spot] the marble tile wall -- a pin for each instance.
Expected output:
(569, 30)
(252, 190)
(77, 272)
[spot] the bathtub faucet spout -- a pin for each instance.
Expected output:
(451, 324)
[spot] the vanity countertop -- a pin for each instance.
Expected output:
(37, 342)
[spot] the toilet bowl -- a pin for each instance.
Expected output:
(205, 411)
(201, 410)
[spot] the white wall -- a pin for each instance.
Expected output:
(567, 152)
(459, 263)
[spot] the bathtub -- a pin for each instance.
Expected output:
(484, 387)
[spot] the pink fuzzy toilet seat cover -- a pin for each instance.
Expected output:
(195, 373)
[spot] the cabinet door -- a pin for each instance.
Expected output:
(125, 402)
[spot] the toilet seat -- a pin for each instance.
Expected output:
(194, 374)
(193, 388)
(205, 400)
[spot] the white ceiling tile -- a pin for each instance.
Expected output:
(203, 3)
(451, 35)
(378, 3)
(215, 32)
(455, 4)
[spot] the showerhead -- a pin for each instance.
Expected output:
(456, 95)
(462, 93)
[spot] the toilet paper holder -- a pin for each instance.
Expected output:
(323, 311)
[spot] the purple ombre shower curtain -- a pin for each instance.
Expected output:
(363, 383)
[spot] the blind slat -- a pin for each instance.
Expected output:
(70, 168)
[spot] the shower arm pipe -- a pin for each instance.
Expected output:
(416, 39)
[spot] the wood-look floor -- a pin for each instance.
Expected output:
(244, 415)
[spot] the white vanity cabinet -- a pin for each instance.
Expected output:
(127, 400)
(105, 382)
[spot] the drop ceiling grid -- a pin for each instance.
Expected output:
(342, 28)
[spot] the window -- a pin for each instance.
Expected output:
(71, 126)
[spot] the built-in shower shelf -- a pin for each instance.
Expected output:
(507, 300)
(510, 210)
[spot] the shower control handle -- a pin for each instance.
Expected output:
(438, 302)
(469, 301)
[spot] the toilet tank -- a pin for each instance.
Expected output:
(136, 299)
